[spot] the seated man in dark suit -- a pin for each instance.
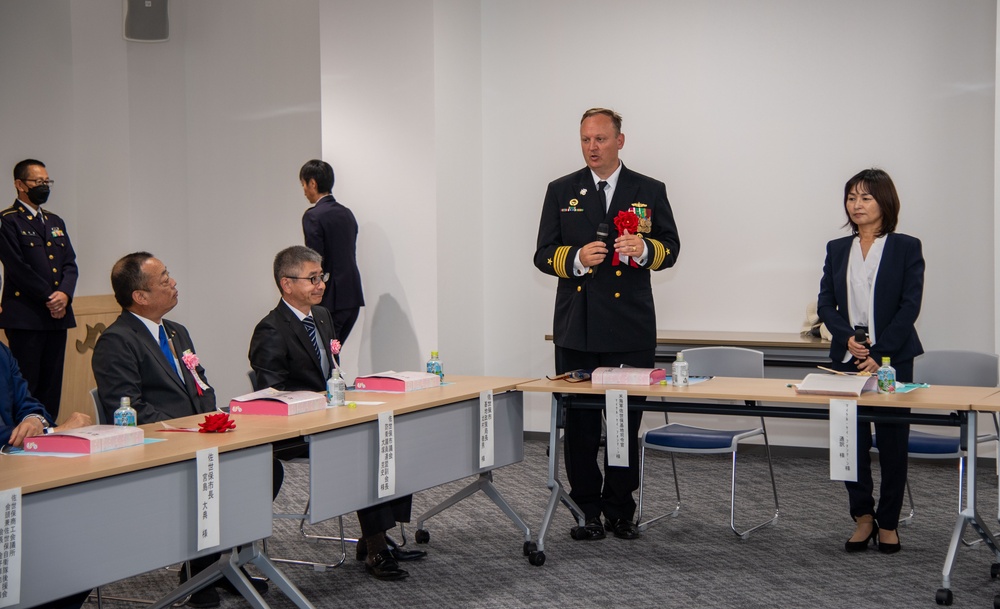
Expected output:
(141, 356)
(290, 350)
(22, 416)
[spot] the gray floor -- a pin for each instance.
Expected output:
(691, 561)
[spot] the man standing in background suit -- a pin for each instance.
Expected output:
(604, 313)
(290, 350)
(39, 280)
(331, 230)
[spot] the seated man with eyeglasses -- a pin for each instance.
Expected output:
(291, 351)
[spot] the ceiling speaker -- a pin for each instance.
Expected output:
(145, 20)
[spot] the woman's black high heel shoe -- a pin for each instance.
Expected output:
(861, 546)
(890, 548)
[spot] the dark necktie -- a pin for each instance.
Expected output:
(600, 192)
(165, 347)
(311, 331)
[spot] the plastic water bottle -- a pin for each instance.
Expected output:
(125, 415)
(434, 365)
(886, 377)
(679, 371)
(335, 388)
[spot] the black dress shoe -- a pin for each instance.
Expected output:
(385, 567)
(205, 598)
(861, 546)
(890, 548)
(623, 529)
(591, 531)
(401, 555)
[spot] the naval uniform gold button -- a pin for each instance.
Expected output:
(579, 288)
(48, 243)
(51, 256)
(17, 293)
(55, 271)
(590, 271)
(55, 283)
(618, 273)
(617, 295)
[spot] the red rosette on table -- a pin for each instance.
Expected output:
(216, 423)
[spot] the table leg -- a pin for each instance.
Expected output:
(485, 484)
(969, 516)
(558, 494)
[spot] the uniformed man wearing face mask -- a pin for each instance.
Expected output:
(39, 279)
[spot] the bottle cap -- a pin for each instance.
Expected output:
(680, 356)
(336, 373)
(434, 353)
(125, 401)
(885, 361)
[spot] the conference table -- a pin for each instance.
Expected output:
(778, 398)
(437, 441)
(94, 519)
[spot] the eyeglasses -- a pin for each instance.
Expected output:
(315, 279)
(39, 181)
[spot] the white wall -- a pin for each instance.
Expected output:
(188, 148)
(445, 119)
(754, 114)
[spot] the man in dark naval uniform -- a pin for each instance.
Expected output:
(604, 313)
(39, 279)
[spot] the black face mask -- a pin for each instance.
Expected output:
(39, 194)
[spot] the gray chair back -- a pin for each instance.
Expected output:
(98, 417)
(951, 367)
(724, 361)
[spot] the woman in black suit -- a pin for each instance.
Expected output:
(874, 281)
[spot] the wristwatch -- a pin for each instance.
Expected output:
(45, 423)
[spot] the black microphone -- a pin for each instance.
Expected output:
(602, 234)
(860, 336)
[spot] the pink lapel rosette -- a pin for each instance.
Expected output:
(190, 360)
(334, 352)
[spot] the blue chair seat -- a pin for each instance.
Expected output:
(927, 444)
(685, 437)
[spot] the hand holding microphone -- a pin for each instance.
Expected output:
(594, 253)
(858, 344)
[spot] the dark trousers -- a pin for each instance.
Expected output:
(384, 516)
(40, 355)
(343, 322)
(592, 492)
(893, 444)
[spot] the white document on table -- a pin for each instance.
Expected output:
(386, 455)
(10, 536)
(486, 450)
(207, 465)
(616, 415)
(843, 433)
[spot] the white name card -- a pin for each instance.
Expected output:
(10, 537)
(386, 455)
(207, 464)
(843, 432)
(616, 415)
(486, 450)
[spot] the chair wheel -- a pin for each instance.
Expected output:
(421, 536)
(529, 547)
(945, 597)
(994, 570)
(536, 558)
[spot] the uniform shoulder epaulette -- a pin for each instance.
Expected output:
(8, 211)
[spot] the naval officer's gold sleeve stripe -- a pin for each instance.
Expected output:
(659, 254)
(559, 261)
